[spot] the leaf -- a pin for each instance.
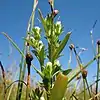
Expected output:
(66, 72)
(59, 88)
(62, 45)
(13, 43)
(38, 71)
(42, 56)
(35, 53)
(42, 20)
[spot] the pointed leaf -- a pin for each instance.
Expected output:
(42, 20)
(38, 71)
(66, 72)
(42, 56)
(62, 45)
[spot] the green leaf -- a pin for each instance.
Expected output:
(13, 43)
(42, 56)
(38, 71)
(59, 88)
(66, 72)
(42, 20)
(62, 45)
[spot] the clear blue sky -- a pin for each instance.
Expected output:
(78, 15)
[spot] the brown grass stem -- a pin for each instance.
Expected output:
(4, 80)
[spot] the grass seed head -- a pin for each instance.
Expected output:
(29, 58)
(98, 42)
(84, 73)
(71, 46)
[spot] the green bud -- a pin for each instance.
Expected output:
(58, 28)
(49, 64)
(40, 45)
(36, 32)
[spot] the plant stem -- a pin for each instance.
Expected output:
(28, 84)
(4, 81)
(78, 71)
(88, 87)
(21, 77)
(84, 89)
(98, 65)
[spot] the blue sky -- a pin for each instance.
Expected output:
(77, 15)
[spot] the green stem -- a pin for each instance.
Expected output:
(88, 87)
(21, 77)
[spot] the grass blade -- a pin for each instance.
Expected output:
(75, 72)
(14, 44)
(4, 81)
(98, 65)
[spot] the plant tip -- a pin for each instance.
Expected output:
(71, 46)
(98, 42)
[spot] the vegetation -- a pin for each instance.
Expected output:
(57, 83)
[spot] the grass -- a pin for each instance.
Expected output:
(57, 83)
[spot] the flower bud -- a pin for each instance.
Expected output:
(36, 32)
(55, 12)
(37, 29)
(50, 2)
(71, 46)
(40, 45)
(49, 64)
(42, 98)
(58, 23)
(58, 27)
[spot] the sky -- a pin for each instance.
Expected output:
(76, 15)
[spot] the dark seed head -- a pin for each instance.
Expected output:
(50, 2)
(29, 58)
(71, 46)
(98, 42)
(84, 74)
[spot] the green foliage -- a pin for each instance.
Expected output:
(56, 81)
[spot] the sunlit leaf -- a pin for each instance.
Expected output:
(42, 20)
(59, 88)
(62, 45)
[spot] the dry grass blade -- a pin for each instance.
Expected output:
(4, 81)
(96, 96)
